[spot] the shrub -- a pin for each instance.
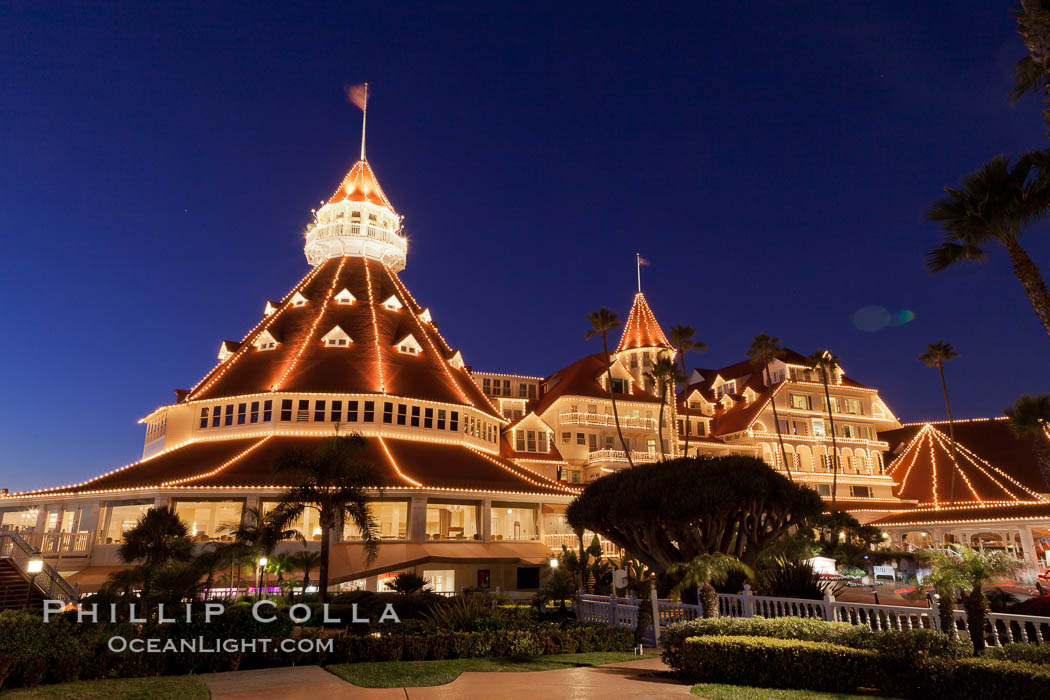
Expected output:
(980, 679)
(791, 578)
(776, 663)
(1027, 653)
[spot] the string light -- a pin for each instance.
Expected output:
(313, 326)
(393, 464)
(641, 314)
(375, 326)
(216, 470)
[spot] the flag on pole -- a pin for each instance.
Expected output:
(642, 261)
(358, 94)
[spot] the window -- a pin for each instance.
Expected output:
(799, 427)
(513, 521)
(566, 438)
(818, 427)
(847, 431)
(392, 304)
(351, 411)
(286, 409)
(337, 411)
(336, 338)
(392, 517)
(303, 414)
(532, 391)
(402, 414)
(860, 491)
(242, 413)
(541, 441)
(528, 577)
(519, 440)
(205, 519)
(204, 417)
(441, 419)
(836, 405)
(116, 519)
(785, 425)
(267, 410)
(619, 386)
(370, 412)
(581, 439)
(415, 416)
(298, 300)
(428, 418)
(453, 421)
(801, 401)
(255, 412)
(523, 391)
(824, 490)
(530, 440)
(229, 415)
(452, 520)
(853, 407)
(308, 524)
(265, 341)
(701, 428)
(216, 416)
(388, 412)
(486, 385)
(801, 374)
(319, 411)
(592, 442)
(344, 297)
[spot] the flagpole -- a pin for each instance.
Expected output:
(638, 268)
(364, 119)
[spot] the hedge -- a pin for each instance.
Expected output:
(1028, 653)
(32, 652)
(980, 679)
(776, 663)
(908, 647)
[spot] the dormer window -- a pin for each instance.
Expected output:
(344, 297)
(336, 338)
(271, 307)
(425, 316)
(355, 216)
(457, 360)
(226, 349)
(409, 345)
(265, 341)
(392, 304)
(298, 300)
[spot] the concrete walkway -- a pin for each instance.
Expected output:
(633, 679)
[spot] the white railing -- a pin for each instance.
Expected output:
(69, 543)
(49, 582)
(607, 420)
(876, 444)
(340, 228)
(619, 612)
(555, 540)
(620, 456)
(1000, 628)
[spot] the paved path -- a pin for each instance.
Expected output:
(633, 679)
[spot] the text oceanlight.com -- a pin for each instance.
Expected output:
(200, 645)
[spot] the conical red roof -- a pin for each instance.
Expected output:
(641, 329)
(369, 363)
(361, 185)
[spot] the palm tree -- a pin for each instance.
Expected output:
(124, 580)
(1030, 73)
(333, 480)
(946, 584)
(826, 363)
(970, 569)
(704, 572)
(280, 564)
(935, 356)
(763, 350)
(682, 341)
(663, 375)
(994, 205)
(1030, 415)
(208, 561)
(158, 537)
(602, 321)
(306, 559)
(237, 554)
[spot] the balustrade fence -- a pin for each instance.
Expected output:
(1000, 628)
(49, 581)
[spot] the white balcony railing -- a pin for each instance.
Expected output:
(606, 420)
(600, 456)
(874, 444)
(555, 540)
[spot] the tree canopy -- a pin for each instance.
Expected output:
(670, 512)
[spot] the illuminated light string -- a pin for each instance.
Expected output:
(218, 469)
(313, 327)
(398, 284)
(961, 472)
(548, 484)
(907, 473)
(975, 458)
(375, 326)
(933, 470)
(263, 325)
(393, 463)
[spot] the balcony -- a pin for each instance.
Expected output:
(606, 420)
(873, 444)
(606, 456)
(554, 542)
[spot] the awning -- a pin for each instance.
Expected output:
(347, 562)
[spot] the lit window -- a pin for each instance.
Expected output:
(409, 345)
(566, 438)
(298, 300)
(265, 341)
(860, 491)
(344, 297)
(392, 304)
(581, 439)
(336, 338)
(824, 490)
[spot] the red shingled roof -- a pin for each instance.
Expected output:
(994, 464)
(249, 462)
(300, 362)
(581, 378)
(641, 329)
(361, 185)
(968, 513)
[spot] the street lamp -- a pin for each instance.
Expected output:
(33, 567)
(258, 573)
(554, 562)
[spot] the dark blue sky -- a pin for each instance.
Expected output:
(772, 160)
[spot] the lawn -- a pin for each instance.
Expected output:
(414, 674)
(174, 687)
(718, 691)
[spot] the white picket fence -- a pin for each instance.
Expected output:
(1000, 628)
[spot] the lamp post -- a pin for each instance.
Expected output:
(33, 567)
(258, 573)
(554, 562)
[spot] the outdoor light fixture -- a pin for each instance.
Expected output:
(258, 573)
(33, 567)
(554, 563)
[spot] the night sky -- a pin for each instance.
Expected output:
(772, 160)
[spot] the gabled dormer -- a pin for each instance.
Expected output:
(408, 345)
(622, 378)
(336, 338)
(344, 298)
(265, 341)
(227, 348)
(298, 300)
(271, 307)
(425, 316)
(749, 396)
(393, 304)
(457, 360)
